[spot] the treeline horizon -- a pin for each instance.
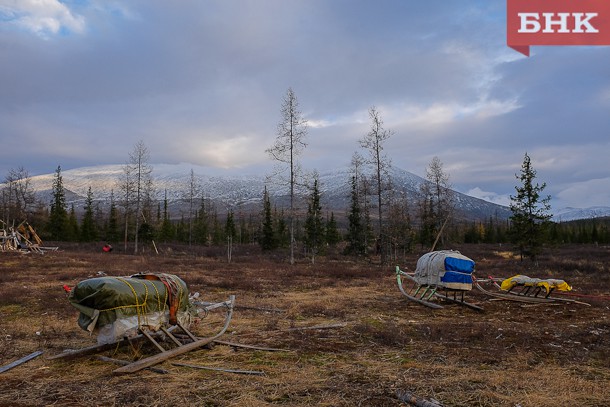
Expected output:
(268, 227)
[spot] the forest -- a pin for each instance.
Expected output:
(317, 231)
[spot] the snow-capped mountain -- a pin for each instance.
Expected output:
(568, 214)
(241, 191)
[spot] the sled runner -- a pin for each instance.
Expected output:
(444, 274)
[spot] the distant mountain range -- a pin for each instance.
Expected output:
(568, 214)
(244, 192)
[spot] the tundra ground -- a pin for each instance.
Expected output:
(370, 343)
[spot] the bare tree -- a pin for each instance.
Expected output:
(18, 195)
(374, 142)
(356, 171)
(193, 191)
(137, 187)
(291, 132)
(438, 198)
(126, 188)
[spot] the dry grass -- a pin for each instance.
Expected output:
(544, 355)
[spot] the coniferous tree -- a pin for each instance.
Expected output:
(181, 230)
(167, 232)
(356, 230)
(314, 223)
(530, 213)
(281, 229)
(112, 227)
(201, 225)
(267, 240)
(88, 232)
(218, 236)
(230, 232)
(427, 220)
(230, 228)
(73, 231)
(332, 232)
(58, 225)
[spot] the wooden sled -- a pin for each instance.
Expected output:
(179, 346)
(524, 290)
(424, 293)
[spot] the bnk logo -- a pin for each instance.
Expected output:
(557, 22)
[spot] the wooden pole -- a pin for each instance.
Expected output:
(440, 232)
(20, 361)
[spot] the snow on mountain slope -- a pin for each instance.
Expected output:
(231, 190)
(568, 214)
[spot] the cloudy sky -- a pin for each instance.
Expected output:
(201, 82)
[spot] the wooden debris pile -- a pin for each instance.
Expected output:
(22, 238)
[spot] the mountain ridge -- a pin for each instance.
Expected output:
(246, 190)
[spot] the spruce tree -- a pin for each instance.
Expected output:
(112, 227)
(267, 240)
(58, 216)
(167, 232)
(201, 224)
(356, 230)
(530, 213)
(73, 234)
(88, 232)
(332, 232)
(281, 228)
(230, 229)
(314, 223)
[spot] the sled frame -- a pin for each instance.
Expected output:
(519, 293)
(424, 293)
(164, 354)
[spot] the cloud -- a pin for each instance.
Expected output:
(42, 17)
(595, 192)
(489, 196)
(202, 83)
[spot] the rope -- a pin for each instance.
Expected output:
(141, 315)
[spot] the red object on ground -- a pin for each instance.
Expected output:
(67, 288)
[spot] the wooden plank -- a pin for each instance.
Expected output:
(186, 331)
(160, 357)
(124, 362)
(20, 361)
(172, 337)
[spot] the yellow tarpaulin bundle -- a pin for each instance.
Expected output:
(526, 281)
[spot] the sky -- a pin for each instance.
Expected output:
(201, 82)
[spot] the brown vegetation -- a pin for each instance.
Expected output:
(511, 354)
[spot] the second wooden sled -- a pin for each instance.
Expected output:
(445, 275)
(522, 288)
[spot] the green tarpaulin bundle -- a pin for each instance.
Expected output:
(117, 307)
